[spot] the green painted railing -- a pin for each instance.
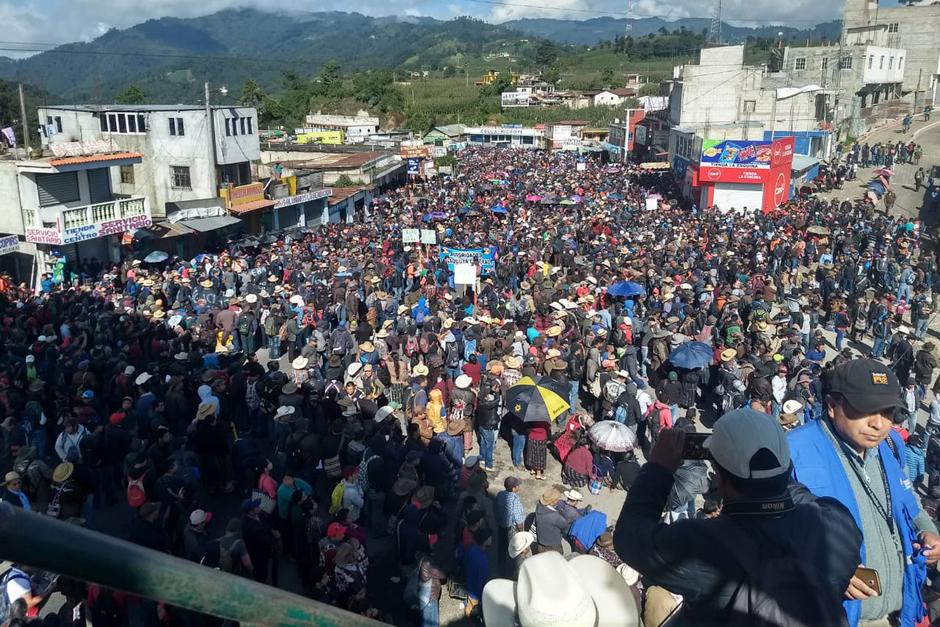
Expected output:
(49, 544)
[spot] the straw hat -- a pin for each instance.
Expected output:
(463, 381)
(206, 283)
(62, 472)
(552, 353)
(550, 496)
(456, 427)
(159, 314)
(381, 334)
(728, 354)
(10, 477)
(284, 412)
(792, 406)
(204, 411)
(353, 369)
(553, 331)
(299, 363)
(420, 370)
(251, 299)
(297, 299)
(367, 347)
(512, 362)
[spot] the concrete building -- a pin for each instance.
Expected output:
(63, 209)
(510, 136)
(914, 28)
(611, 97)
(177, 164)
(356, 128)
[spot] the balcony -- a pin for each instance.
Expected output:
(77, 224)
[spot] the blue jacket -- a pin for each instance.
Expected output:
(915, 463)
(817, 465)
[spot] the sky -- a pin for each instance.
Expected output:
(63, 21)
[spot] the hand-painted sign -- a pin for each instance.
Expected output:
(9, 244)
(124, 224)
(80, 233)
(43, 236)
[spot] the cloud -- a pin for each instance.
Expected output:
(62, 21)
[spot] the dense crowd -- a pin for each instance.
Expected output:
(348, 402)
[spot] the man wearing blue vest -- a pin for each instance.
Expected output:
(853, 455)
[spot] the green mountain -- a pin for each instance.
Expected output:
(169, 59)
(590, 32)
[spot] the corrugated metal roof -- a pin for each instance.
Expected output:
(114, 156)
(204, 225)
(342, 193)
(252, 206)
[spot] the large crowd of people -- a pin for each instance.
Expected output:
(351, 407)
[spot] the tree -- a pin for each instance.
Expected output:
(545, 53)
(330, 79)
(551, 75)
(131, 95)
(607, 76)
(252, 95)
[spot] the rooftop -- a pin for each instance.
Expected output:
(59, 161)
(136, 108)
(332, 160)
(342, 193)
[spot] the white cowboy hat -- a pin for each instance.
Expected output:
(463, 382)
(251, 298)
(520, 542)
(297, 299)
(353, 369)
(284, 410)
(383, 413)
(552, 592)
(792, 406)
(300, 363)
(420, 370)
(142, 378)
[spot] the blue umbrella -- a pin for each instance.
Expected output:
(627, 289)
(691, 355)
(498, 209)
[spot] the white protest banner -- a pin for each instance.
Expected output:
(410, 236)
(651, 204)
(465, 274)
(428, 236)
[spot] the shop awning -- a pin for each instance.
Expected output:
(802, 163)
(256, 205)
(162, 230)
(204, 225)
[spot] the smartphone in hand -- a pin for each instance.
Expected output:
(694, 446)
(870, 577)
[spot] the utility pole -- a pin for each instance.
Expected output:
(626, 135)
(210, 121)
(23, 118)
(917, 97)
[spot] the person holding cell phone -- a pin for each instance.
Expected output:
(764, 550)
(854, 456)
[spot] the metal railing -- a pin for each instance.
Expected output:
(49, 544)
(99, 212)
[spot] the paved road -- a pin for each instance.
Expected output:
(909, 201)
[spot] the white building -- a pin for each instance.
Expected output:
(178, 165)
(63, 206)
(612, 97)
(510, 136)
(356, 128)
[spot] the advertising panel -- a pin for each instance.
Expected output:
(80, 233)
(514, 99)
(43, 236)
(414, 167)
(711, 174)
(782, 152)
(304, 197)
(737, 153)
(124, 224)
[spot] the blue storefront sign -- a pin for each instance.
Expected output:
(414, 166)
(483, 257)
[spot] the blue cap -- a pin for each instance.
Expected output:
(88, 394)
(250, 504)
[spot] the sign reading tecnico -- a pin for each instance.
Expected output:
(304, 197)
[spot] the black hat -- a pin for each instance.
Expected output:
(867, 385)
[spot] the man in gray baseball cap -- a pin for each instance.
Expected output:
(766, 521)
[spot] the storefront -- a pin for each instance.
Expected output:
(744, 175)
(304, 209)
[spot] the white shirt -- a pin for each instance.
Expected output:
(18, 586)
(644, 400)
(779, 385)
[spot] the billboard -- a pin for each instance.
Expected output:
(514, 99)
(733, 153)
(782, 151)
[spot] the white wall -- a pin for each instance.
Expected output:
(236, 148)
(883, 65)
(11, 216)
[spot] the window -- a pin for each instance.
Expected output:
(228, 127)
(845, 63)
(235, 125)
(127, 174)
(893, 28)
(250, 130)
(871, 61)
(881, 65)
(900, 63)
(749, 106)
(243, 126)
(824, 63)
(57, 189)
(176, 127)
(58, 124)
(799, 63)
(180, 177)
(890, 63)
(126, 123)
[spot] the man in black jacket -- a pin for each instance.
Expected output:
(488, 420)
(717, 564)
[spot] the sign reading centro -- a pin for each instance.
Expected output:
(485, 258)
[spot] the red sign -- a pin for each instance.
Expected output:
(782, 152)
(710, 174)
(777, 187)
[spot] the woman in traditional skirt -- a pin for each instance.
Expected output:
(536, 449)
(578, 469)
